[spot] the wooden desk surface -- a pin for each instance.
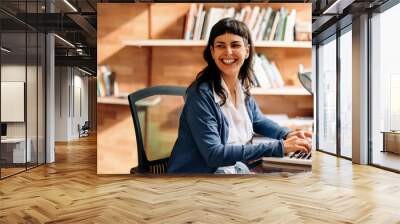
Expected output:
(13, 140)
(70, 191)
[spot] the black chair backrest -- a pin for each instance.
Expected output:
(144, 165)
(86, 125)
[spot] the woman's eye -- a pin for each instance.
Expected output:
(220, 46)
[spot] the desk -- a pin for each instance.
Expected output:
(391, 141)
(13, 150)
(261, 166)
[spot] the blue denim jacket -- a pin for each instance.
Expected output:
(203, 132)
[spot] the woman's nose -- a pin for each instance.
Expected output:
(228, 50)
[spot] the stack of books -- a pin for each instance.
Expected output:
(264, 23)
(106, 83)
(266, 74)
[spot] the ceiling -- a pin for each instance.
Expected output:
(72, 20)
(76, 22)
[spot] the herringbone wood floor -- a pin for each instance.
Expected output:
(70, 191)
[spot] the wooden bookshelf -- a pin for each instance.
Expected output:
(151, 101)
(203, 43)
(286, 91)
(112, 100)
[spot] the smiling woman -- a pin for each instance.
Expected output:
(219, 117)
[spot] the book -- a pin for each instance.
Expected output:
(268, 29)
(257, 25)
(247, 15)
(107, 80)
(260, 74)
(280, 24)
(274, 25)
(213, 16)
(264, 23)
(253, 17)
(189, 22)
(197, 22)
(277, 75)
(289, 32)
(268, 71)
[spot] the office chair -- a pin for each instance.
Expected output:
(84, 130)
(157, 166)
(305, 79)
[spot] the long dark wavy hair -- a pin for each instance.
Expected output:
(211, 73)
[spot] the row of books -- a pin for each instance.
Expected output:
(106, 83)
(266, 74)
(264, 23)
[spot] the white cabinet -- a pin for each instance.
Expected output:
(17, 148)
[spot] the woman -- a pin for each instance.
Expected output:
(219, 116)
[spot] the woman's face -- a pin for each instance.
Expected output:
(229, 52)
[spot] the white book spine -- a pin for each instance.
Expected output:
(268, 71)
(257, 25)
(259, 72)
(289, 33)
(242, 14)
(253, 18)
(278, 75)
(199, 26)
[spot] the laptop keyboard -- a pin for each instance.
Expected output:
(295, 158)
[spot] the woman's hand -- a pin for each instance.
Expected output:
(301, 134)
(294, 144)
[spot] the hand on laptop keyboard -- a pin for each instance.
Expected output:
(299, 155)
(294, 143)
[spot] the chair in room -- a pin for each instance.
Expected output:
(141, 102)
(84, 129)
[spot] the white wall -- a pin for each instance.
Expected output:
(62, 80)
(71, 94)
(11, 73)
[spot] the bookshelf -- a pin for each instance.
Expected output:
(286, 91)
(203, 43)
(112, 100)
(144, 46)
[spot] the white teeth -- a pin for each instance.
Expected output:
(228, 61)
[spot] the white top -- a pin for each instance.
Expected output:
(240, 126)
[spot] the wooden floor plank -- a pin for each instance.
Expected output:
(70, 191)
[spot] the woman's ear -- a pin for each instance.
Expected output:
(212, 51)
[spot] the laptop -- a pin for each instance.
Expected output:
(292, 159)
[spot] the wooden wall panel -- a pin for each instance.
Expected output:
(291, 105)
(176, 65)
(116, 145)
(117, 22)
(168, 20)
